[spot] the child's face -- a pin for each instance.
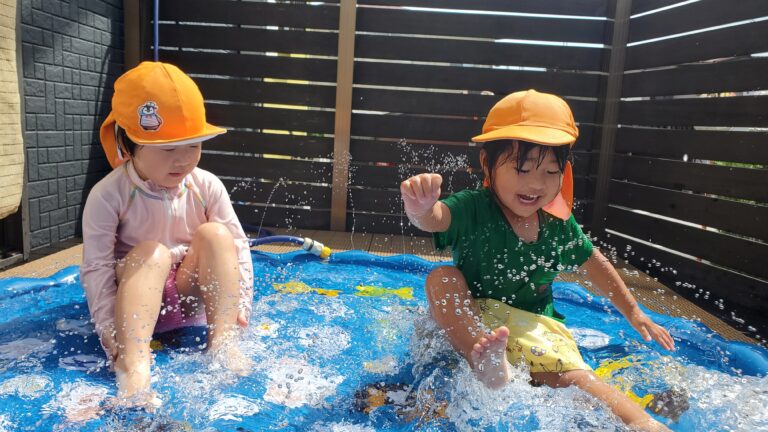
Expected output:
(166, 166)
(525, 189)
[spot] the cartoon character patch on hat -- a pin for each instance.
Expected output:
(149, 120)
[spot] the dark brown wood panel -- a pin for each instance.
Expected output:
(415, 127)
(721, 249)
(648, 5)
(389, 177)
(259, 143)
(496, 81)
(287, 193)
(477, 52)
(414, 154)
(594, 8)
(743, 183)
(257, 91)
(248, 65)
(727, 76)
(281, 217)
(272, 169)
(435, 22)
(695, 16)
(752, 38)
(722, 111)
(743, 295)
(732, 216)
(295, 15)
(244, 116)
(382, 224)
(248, 39)
(447, 104)
(746, 147)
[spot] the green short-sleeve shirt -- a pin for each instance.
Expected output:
(498, 265)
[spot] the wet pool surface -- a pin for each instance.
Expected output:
(346, 345)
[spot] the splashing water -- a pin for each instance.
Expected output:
(317, 355)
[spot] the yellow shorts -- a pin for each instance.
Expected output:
(541, 342)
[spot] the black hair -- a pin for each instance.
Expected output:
(502, 151)
(128, 145)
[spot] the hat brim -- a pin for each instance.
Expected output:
(108, 143)
(535, 134)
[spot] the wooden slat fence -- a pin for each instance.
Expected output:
(689, 187)
(428, 75)
(684, 160)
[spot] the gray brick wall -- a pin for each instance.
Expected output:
(72, 52)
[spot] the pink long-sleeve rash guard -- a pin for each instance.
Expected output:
(123, 210)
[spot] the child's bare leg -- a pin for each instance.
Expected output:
(211, 271)
(141, 277)
(629, 412)
(447, 293)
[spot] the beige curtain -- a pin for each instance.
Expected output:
(11, 144)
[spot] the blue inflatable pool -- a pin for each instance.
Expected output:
(346, 345)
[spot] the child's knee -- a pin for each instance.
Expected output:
(444, 278)
(213, 233)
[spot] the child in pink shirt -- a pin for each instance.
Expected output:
(163, 247)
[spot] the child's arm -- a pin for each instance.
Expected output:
(600, 271)
(420, 196)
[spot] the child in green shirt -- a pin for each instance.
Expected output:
(509, 241)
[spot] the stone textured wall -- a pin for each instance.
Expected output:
(72, 51)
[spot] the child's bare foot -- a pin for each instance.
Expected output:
(228, 354)
(489, 359)
(133, 385)
(649, 425)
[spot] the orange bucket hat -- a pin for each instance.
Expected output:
(156, 104)
(540, 118)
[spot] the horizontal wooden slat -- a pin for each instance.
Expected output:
(439, 129)
(743, 295)
(272, 169)
(449, 104)
(286, 193)
(648, 5)
(736, 253)
(249, 91)
(732, 216)
(497, 81)
(295, 15)
(259, 143)
(700, 46)
(415, 154)
(476, 52)
(247, 65)
(726, 181)
(694, 16)
(725, 111)
(248, 39)
(385, 224)
(595, 8)
(243, 116)
(746, 147)
(434, 22)
(414, 127)
(283, 217)
(729, 76)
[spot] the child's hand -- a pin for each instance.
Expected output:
(420, 193)
(650, 330)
